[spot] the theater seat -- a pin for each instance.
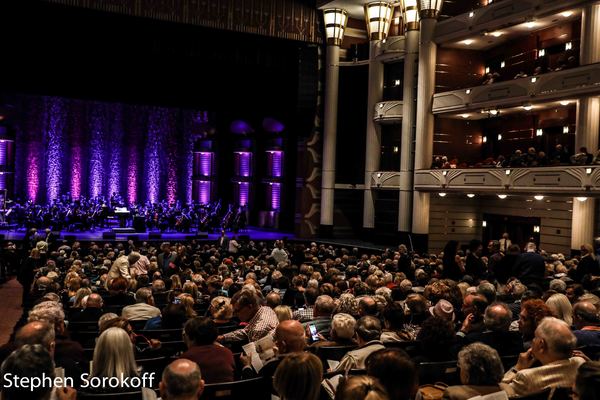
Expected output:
(445, 371)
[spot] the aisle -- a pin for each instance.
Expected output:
(11, 309)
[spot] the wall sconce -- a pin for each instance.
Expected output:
(378, 16)
(335, 25)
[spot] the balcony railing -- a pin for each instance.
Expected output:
(579, 81)
(388, 112)
(567, 180)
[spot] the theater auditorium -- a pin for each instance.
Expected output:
(300, 200)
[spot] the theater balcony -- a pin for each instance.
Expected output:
(388, 112)
(576, 181)
(574, 82)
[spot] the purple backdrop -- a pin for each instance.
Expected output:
(91, 148)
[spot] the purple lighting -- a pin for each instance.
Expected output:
(275, 162)
(132, 172)
(97, 153)
(3, 152)
(243, 192)
(243, 163)
(2, 181)
(275, 189)
(33, 172)
(202, 191)
(206, 163)
(272, 125)
(77, 166)
(56, 149)
(240, 127)
(152, 167)
(114, 179)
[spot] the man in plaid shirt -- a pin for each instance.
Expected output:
(261, 320)
(306, 314)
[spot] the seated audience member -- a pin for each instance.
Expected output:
(443, 309)
(324, 307)
(31, 361)
(532, 313)
(92, 310)
(393, 322)
(497, 320)
(181, 380)
(481, 371)
(144, 308)
(368, 334)
(65, 349)
(475, 305)
(215, 360)
(561, 307)
(588, 265)
(261, 320)
(582, 157)
(289, 339)
(587, 382)
(273, 299)
(361, 387)
(305, 313)
(395, 371)
(283, 313)
(118, 295)
(341, 333)
(367, 306)
(437, 341)
(113, 358)
(221, 311)
(298, 377)
(587, 324)
(552, 347)
(173, 316)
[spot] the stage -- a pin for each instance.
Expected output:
(106, 234)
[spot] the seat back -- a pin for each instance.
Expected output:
(334, 353)
(445, 371)
(166, 335)
(561, 393)
(89, 326)
(154, 366)
(85, 338)
(256, 388)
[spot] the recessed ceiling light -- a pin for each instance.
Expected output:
(493, 111)
(581, 199)
(530, 24)
(467, 42)
(465, 115)
(471, 14)
(470, 195)
(527, 107)
(566, 14)
(442, 194)
(502, 196)
(564, 102)
(497, 34)
(538, 197)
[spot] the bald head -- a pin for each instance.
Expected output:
(585, 314)
(367, 306)
(181, 380)
(273, 299)
(36, 332)
(94, 301)
(289, 337)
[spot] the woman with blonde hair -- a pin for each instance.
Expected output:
(361, 387)
(113, 358)
(175, 282)
(187, 300)
(221, 310)
(298, 377)
(79, 296)
(284, 313)
(561, 307)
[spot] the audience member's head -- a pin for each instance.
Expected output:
(289, 337)
(368, 329)
(283, 313)
(361, 387)
(298, 377)
(36, 332)
(342, 326)
(532, 313)
(553, 341)
(480, 365)
(561, 307)
(200, 331)
(30, 361)
(497, 317)
(395, 371)
(585, 314)
(181, 380)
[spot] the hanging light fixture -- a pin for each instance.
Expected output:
(378, 15)
(410, 15)
(430, 8)
(335, 25)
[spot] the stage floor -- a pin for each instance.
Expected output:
(256, 234)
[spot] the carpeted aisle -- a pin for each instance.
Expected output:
(10, 309)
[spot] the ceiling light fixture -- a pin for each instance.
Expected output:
(538, 197)
(442, 194)
(502, 196)
(581, 199)
(470, 195)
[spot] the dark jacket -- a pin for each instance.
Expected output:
(530, 268)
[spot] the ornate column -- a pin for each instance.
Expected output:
(588, 109)
(429, 11)
(378, 15)
(335, 24)
(411, 22)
